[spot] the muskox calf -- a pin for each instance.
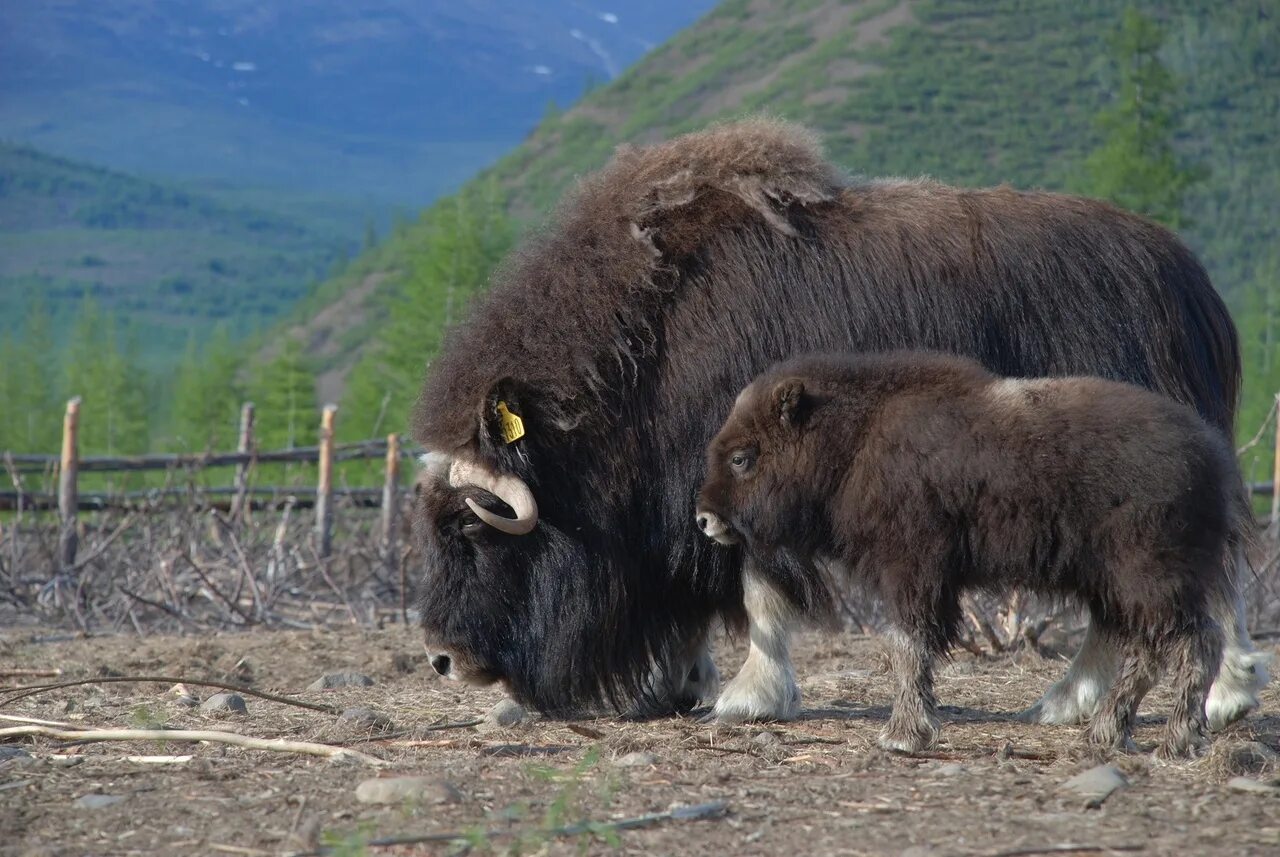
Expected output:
(923, 476)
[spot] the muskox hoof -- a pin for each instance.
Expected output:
(1235, 691)
(1061, 705)
(908, 737)
(744, 702)
(1104, 739)
(1183, 744)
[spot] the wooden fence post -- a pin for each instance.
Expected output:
(391, 513)
(245, 446)
(68, 490)
(324, 485)
(1275, 476)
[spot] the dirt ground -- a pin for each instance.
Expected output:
(815, 786)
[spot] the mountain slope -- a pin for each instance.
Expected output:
(398, 100)
(969, 91)
(168, 261)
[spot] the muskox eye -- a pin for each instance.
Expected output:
(740, 462)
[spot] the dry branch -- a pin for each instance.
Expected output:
(161, 679)
(276, 745)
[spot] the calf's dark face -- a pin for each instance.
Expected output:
(750, 491)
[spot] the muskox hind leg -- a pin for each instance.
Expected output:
(1075, 698)
(1194, 657)
(1243, 671)
(1112, 725)
(913, 725)
(765, 688)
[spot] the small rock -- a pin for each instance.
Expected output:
(1248, 784)
(1097, 784)
(328, 681)
(636, 760)
(224, 704)
(96, 801)
(505, 715)
(951, 769)
(365, 719)
(424, 790)
(766, 739)
(14, 754)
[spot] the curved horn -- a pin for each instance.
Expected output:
(509, 489)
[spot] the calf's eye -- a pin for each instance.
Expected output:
(740, 462)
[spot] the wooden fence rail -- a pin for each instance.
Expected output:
(241, 498)
(238, 499)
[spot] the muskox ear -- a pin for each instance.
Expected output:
(790, 402)
(503, 417)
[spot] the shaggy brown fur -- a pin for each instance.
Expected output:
(664, 284)
(924, 475)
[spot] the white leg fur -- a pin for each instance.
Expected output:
(765, 688)
(1075, 698)
(1243, 673)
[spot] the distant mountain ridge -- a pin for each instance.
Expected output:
(167, 261)
(972, 92)
(397, 100)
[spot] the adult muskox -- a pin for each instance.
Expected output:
(567, 416)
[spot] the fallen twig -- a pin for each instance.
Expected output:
(13, 718)
(278, 745)
(271, 697)
(35, 673)
(1066, 849)
(697, 812)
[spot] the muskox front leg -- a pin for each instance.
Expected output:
(690, 679)
(913, 725)
(765, 688)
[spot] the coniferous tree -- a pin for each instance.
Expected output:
(284, 396)
(1135, 166)
(29, 388)
(1258, 320)
(464, 238)
(207, 395)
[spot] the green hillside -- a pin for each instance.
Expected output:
(972, 92)
(166, 260)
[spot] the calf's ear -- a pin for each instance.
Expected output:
(790, 402)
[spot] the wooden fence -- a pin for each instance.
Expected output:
(237, 499)
(240, 497)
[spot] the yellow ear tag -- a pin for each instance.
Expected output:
(512, 425)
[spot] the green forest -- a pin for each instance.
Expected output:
(168, 258)
(1169, 109)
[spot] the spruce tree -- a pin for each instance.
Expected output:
(207, 395)
(1259, 325)
(29, 385)
(462, 239)
(1135, 166)
(284, 396)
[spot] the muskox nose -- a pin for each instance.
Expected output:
(703, 522)
(441, 664)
